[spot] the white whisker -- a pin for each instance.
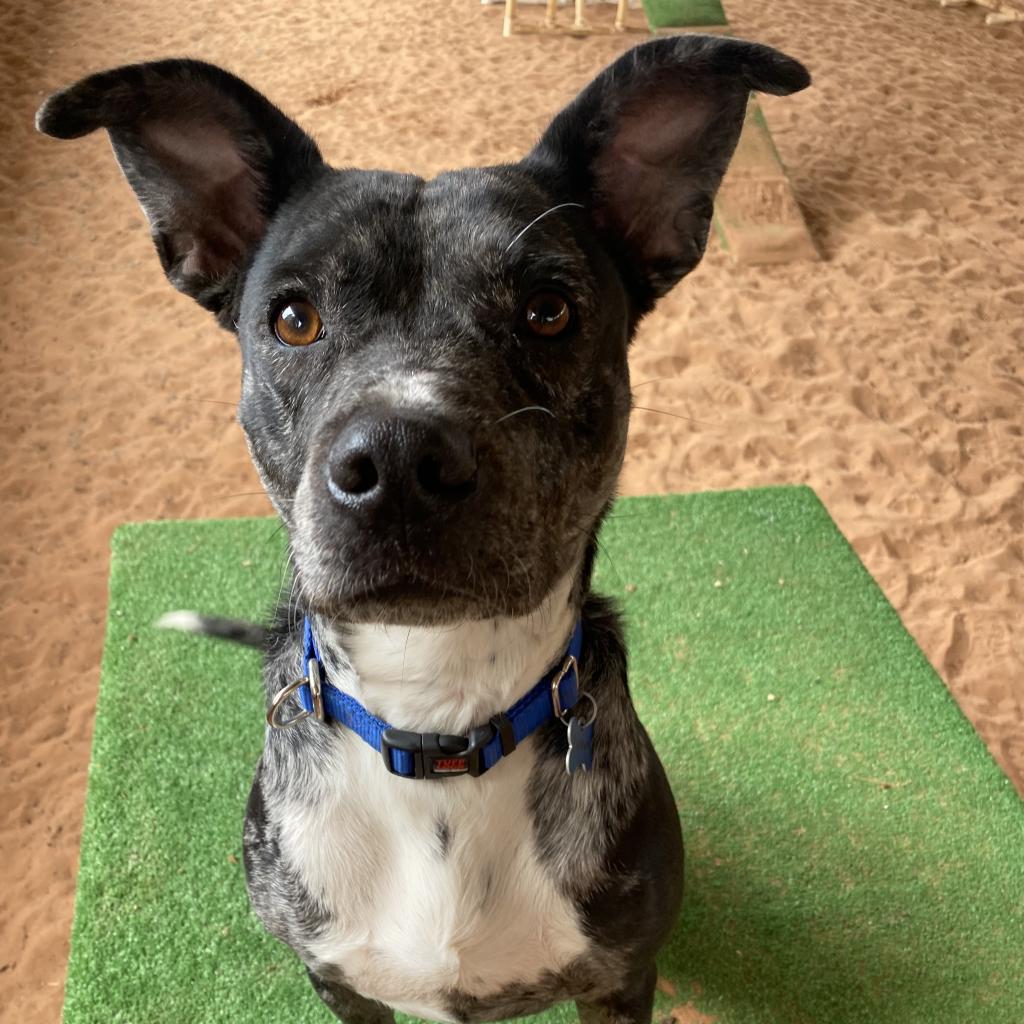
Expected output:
(560, 206)
(525, 408)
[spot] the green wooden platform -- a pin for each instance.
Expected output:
(854, 854)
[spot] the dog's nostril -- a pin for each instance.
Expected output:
(429, 474)
(356, 475)
(451, 477)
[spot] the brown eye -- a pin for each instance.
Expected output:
(298, 323)
(547, 314)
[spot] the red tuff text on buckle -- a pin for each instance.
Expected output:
(450, 764)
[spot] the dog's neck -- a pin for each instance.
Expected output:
(447, 678)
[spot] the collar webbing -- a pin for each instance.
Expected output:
(415, 755)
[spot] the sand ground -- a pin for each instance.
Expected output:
(890, 377)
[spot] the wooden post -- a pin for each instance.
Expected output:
(510, 17)
(580, 22)
(577, 25)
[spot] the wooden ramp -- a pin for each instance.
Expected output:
(756, 214)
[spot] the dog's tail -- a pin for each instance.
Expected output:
(248, 633)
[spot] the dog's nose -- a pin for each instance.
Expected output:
(418, 463)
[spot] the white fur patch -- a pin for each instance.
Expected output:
(451, 678)
(408, 391)
(410, 920)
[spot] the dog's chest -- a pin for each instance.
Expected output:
(430, 888)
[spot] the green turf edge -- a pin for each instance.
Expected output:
(851, 965)
(110, 899)
(872, 967)
(683, 13)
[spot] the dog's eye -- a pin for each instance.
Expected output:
(547, 314)
(298, 323)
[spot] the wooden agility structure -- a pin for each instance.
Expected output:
(579, 26)
(1001, 13)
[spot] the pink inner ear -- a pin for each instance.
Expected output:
(204, 148)
(217, 210)
(663, 128)
(656, 169)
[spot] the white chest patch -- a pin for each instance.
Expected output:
(432, 886)
(435, 886)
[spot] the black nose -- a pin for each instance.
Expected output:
(419, 464)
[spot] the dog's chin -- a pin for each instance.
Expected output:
(413, 601)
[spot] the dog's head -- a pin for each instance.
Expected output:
(434, 386)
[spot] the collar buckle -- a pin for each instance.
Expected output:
(438, 756)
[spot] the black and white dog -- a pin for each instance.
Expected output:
(435, 393)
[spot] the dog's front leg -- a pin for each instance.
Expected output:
(349, 1006)
(633, 1003)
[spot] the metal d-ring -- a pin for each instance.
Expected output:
(312, 680)
(556, 697)
(593, 709)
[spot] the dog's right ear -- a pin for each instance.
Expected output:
(210, 160)
(643, 148)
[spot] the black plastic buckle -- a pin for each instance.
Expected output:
(437, 756)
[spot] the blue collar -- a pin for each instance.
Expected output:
(415, 755)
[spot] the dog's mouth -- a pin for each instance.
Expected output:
(404, 596)
(397, 592)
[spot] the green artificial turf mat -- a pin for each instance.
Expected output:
(684, 13)
(853, 853)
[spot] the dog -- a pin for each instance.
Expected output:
(435, 393)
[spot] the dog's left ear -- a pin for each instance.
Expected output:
(209, 158)
(645, 145)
